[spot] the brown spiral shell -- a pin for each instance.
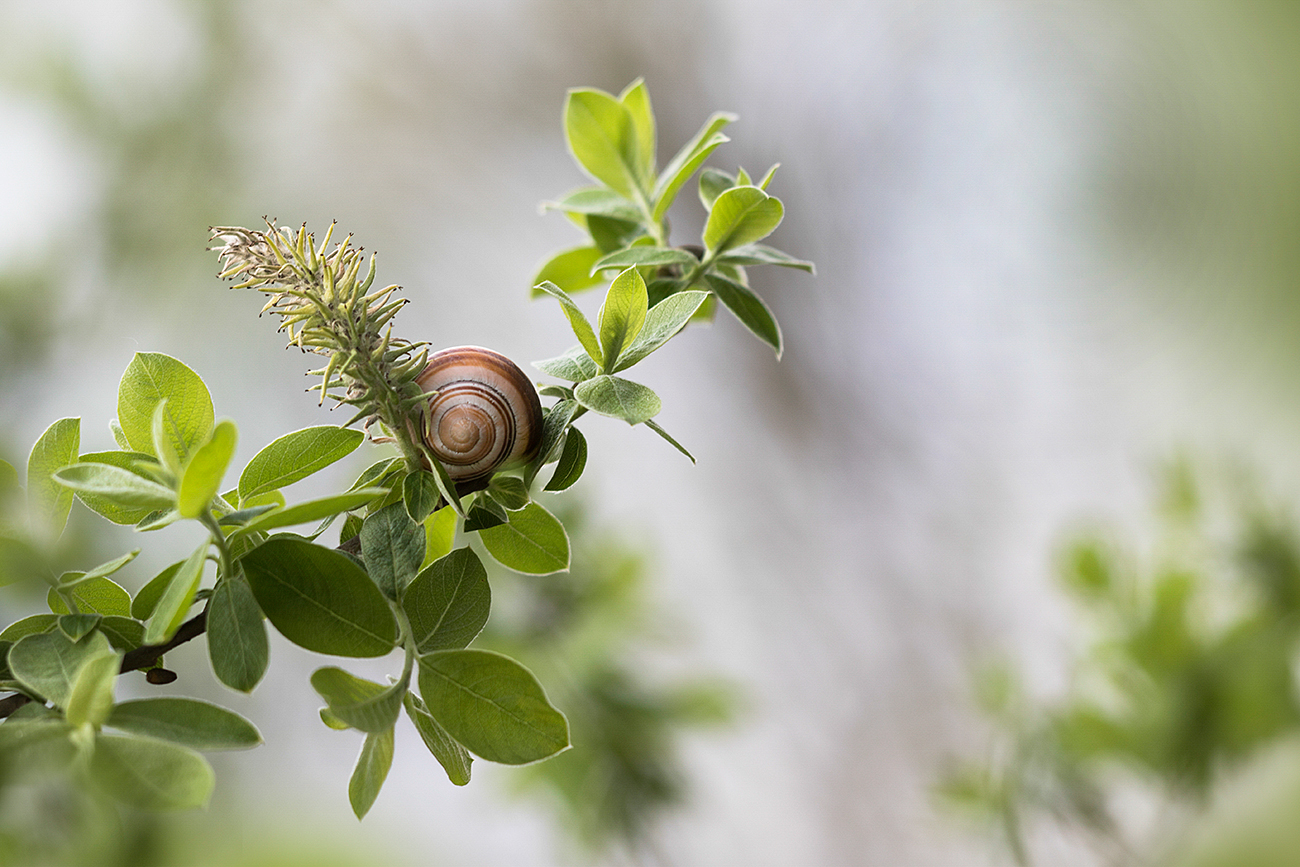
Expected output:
(484, 414)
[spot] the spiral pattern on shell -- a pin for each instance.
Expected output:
(484, 414)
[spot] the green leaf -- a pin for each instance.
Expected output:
(296, 456)
(569, 269)
(49, 502)
(662, 323)
(119, 435)
(577, 320)
(120, 487)
(574, 365)
(91, 698)
(19, 561)
(741, 215)
(573, 460)
(610, 234)
(124, 633)
(239, 517)
(147, 598)
(375, 475)
(393, 547)
(636, 99)
(47, 663)
(237, 645)
(371, 771)
(162, 444)
(448, 603)
(151, 774)
(602, 138)
(761, 254)
(311, 510)
(646, 256)
(687, 160)
(33, 625)
(331, 721)
(595, 201)
(362, 704)
(176, 599)
(453, 757)
(77, 626)
(420, 494)
(618, 398)
(320, 599)
(439, 533)
(484, 512)
(492, 705)
(202, 478)
(622, 315)
(509, 491)
(674, 443)
(714, 183)
(533, 542)
(151, 378)
(157, 520)
(748, 308)
(96, 596)
(101, 570)
(554, 426)
(189, 722)
(106, 507)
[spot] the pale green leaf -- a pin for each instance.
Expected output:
(48, 501)
(602, 138)
(91, 698)
(362, 704)
(492, 705)
(687, 161)
(573, 366)
(151, 378)
(453, 757)
(573, 460)
(533, 541)
(439, 534)
(48, 663)
(748, 308)
(151, 774)
(296, 456)
(189, 722)
(174, 603)
(100, 595)
(371, 771)
(119, 486)
(312, 510)
(618, 398)
(202, 478)
(741, 215)
(577, 320)
(662, 323)
(622, 315)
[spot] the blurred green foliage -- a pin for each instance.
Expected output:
(1187, 671)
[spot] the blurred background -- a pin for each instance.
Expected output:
(1056, 247)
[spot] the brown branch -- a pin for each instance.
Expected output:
(133, 660)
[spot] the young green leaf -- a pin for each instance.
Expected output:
(687, 160)
(484, 512)
(163, 446)
(558, 418)
(569, 269)
(453, 757)
(532, 542)
(371, 771)
(597, 202)
(91, 697)
(714, 183)
(202, 477)
(96, 596)
(151, 774)
(237, 645)
(77, 626)
(420, 495)
(573, 366)
(645, 256)
(392, 546)
(439, 534)
(662, 323)
(47, 663)
(311, 510)
(610, 234)
(492, 705)
(319, 598)
(119, 435)
(362, 704)
(603, 140)
(189, 722)
(124, 633)
(108, 508)
(509, 491)
(761, 254)
(622, 315)
(618, 398)
(748, 308)
(48, 501)
(99, 571)
(33, 625)
(636, 99)
(577, 320)
(573, 460)
(674, 443)
(741, 215)
(448, 602)
(120, 487)
(296, 456)
(151, 378)
(176, 599)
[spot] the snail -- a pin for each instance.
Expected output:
(483, 415)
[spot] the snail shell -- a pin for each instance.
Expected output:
(484, 414)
